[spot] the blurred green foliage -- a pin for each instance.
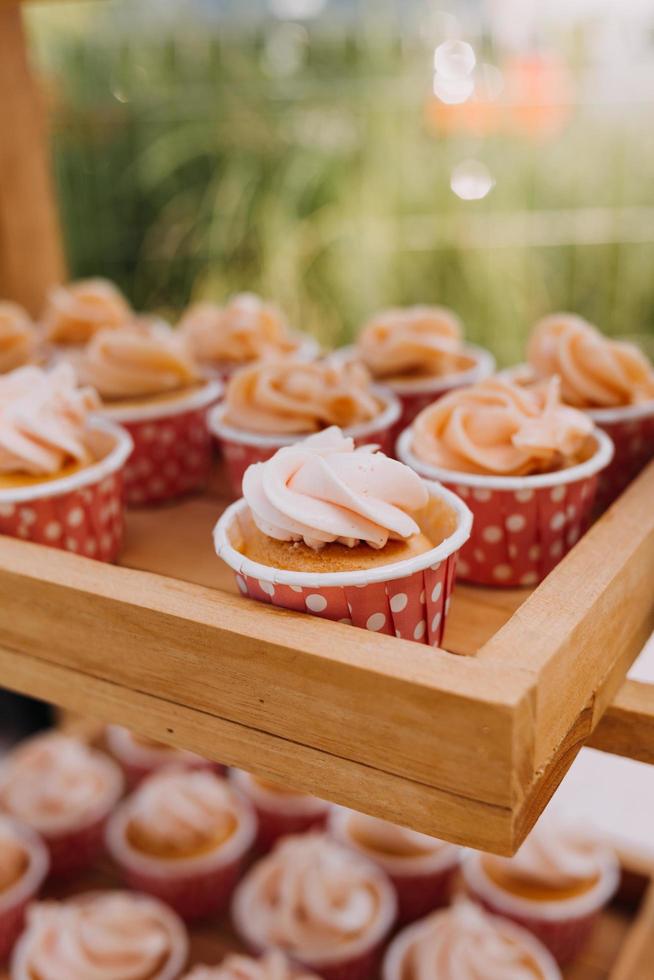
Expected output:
(299, 164)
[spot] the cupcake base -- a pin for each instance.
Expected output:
(279, 815)
(76, 850)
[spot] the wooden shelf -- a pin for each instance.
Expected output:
(468, 747)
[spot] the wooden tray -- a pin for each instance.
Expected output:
(468, 747)
(621, 947)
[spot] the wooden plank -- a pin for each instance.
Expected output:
(341, 780)
(31, 255)
(636, 959)
(579, 631)
(421, 713)
(627, 727)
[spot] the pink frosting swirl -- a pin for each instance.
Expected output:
(465, 943)
(497, 427)
(101, 936)
(415, 340)
(557, 855)
(314, 899)
(136, 361)
(53, 782)
(285, 396)
(245, 329)
(17, 337)
(323, 490)
(595, 372)
(75, 312)
(182, 810)
(43, 420)
(272, 966)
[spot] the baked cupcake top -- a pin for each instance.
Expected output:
(14, 856)
(314, 899)
(105, 935)
(137, 361)
(285, 396)
(413, 341)
(271, 966)
(464, 942)
(499, 428)
(324, 490)
(76, 311)
(182, 813)
(17, 337)
(556, 856)
(243, 330)
(43, 420)
(387, 843)
(595, 372)
(54, 781)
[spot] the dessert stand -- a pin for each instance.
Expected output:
(467, 742)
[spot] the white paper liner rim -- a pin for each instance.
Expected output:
(598, 461)
(394, 956)
(386, 418)
(291, 805)
(34, 874)
(558, 910)
(89, 475)
(483, 367)
(381, 573)
(198, 398)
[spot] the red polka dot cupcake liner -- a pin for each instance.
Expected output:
(409, 599)
(15, 899)
(172, 446)
(279, 814)
(83, 512)
(195, 888)
(632, 431)
(416, 394)
(523, 526)
(138, 760)
(563, 927)
(241, 449)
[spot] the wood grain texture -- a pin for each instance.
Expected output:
(31, 254)
(627, 726)
(635, 960)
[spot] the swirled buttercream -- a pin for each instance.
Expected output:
(43, 420)
(323, 490)
(286, 396)
(465, 943)
(17, 337)
(595, 372)
(74, 312)
(137, 361)
(53, 782)
(245, 329)
(314, 899)
(272, 966)
(497, 427)
(414, 340)
(101, 936)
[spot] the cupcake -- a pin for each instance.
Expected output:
(110, 935)
(18, 337)
(612, 381)
(526, 465)
(63, 790)
(555, 885)
(182, 836)
(276, 403)
(61, 469)
(140, 756)
(419, 353)
(23, 867)
(75, 312)
(280, 811)
(322, 904)
(224, 338)
(421, 868)
(346, 534)
(272, 966)
(149, 382)
(465, 943)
